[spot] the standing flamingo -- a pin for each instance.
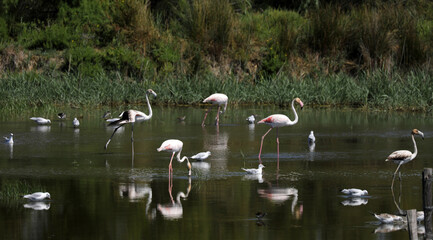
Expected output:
(129, 117)
(401, 157)
(216, 98)
(276, 121)
(174, 145)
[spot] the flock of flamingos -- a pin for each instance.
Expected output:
(276, 121)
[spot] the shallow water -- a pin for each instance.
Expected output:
(114, 194)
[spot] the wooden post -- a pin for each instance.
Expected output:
(412, 225)
(427, 201)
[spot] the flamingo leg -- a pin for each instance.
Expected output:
(132, 132)
(205, 115)
(393, 178)
(109, 140)
(261, 145)
(132, 141)
(278, 151)
(170, 168)
(218, 116)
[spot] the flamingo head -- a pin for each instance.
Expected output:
(298, 100)
(417, 132)
(151, 92)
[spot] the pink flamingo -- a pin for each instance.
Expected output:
(216, 98)
(174, 145)
(401, 157)
(276, 121)
(129, 117)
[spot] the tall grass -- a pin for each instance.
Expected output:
(376, 90)
(12, 191)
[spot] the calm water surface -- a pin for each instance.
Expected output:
(114, 194)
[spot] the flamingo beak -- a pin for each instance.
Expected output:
(421, 134)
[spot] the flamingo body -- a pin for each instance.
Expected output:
(218, 99)
(174, 146)
(40, 120)
(38, 196)
(130, 116)
(277, 121)
(401, 157)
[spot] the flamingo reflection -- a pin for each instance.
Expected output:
(135, 192)
(174, 209)
(279, 195)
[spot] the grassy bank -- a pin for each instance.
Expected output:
(411, 91)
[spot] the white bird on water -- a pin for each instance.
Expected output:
(388, 218)
(41, 121)
(174, 145)
(38, 196)
(9, 139)
(251, 119)
(254, 170)
(355, 192)
(75, 122)
(311, 138)
(201, 156)
(401, 157)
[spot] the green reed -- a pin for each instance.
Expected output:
(377, 90)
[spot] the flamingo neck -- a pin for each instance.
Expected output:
(415, 151)
(182, 160)
(225, 107)
(148, 105)
(296, 114)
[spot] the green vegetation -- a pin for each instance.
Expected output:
(12, 191)
(82, 52)
(377, 90)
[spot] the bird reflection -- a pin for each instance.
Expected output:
(357, 201)
(387, 228)
(135, 192)
(41, 128)
(11, 151)
(279, 195)
(217, 143)
(311, 146)
(174, 210)
(37, 205)
(201, 167)
(258, 177)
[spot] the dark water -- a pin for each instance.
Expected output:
(98, 194)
